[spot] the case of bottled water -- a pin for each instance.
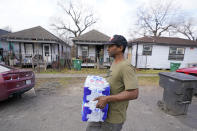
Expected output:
(94, 87)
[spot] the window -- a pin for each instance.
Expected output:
(147, 49)
(84, 50)
(29, 49)
(46, 50)
(176, 53)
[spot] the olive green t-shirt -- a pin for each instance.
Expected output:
(121, 77)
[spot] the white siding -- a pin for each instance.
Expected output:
(106, 56)
(129, 54)
(91, 50)
(190, 56)
(159, 57)
(16, 48)
(22, 49)
(126, 53)
(54, 52)
(79, 50)
(38, 48)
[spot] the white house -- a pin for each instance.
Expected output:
(159, 52)
(90, 47)
(36, 41)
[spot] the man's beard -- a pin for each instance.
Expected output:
(111, 54)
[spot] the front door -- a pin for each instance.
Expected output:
(47, 53)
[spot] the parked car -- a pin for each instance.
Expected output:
(15, 82)
(190, 71)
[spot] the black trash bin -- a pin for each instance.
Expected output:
(178, 92)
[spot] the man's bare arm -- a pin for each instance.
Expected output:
(122, 96)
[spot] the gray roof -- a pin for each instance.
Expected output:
(163, 41)
(35, 33)
(3, 32)
(92, 36)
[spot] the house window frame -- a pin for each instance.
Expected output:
(85, 50)
(25, 45)
(47, 52)
(147, 52)
(177, 56)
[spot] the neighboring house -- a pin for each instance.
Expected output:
(37, 41)
(159, 52)
(2, 32)
(91, 48)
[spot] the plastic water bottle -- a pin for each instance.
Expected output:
(94, 87)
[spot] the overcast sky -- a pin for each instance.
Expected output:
(115, 16)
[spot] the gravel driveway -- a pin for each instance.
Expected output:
(57, 107)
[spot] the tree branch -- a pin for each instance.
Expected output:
(80, 20)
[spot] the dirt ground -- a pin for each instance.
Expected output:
(57, 107)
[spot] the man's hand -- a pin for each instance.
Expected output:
(122, 96)
(102, 101)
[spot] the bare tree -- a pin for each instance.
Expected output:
(188, 28)
(80, 20)
(157, 18)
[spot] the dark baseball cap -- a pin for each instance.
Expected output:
(117, 40)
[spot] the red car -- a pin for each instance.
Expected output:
(15, 82)
(189, 71)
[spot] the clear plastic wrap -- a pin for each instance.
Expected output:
(94, 87)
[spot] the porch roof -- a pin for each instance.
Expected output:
(91, 37)
(89, 43)
(34, 34)
(3, 32)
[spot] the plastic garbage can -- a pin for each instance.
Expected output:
(174, 66)
(77, 64)
(178, 92)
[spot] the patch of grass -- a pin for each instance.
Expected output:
(64, 82)
(49, 71)
(97, 71)
(72, 71)
(39, 82)
(142, 71)
(148, 81)
(86, 71)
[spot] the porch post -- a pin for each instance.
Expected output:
(20, 54)
(51, 52)
(42, 53)
(58, 56)
(33, 56)
(76, 51)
